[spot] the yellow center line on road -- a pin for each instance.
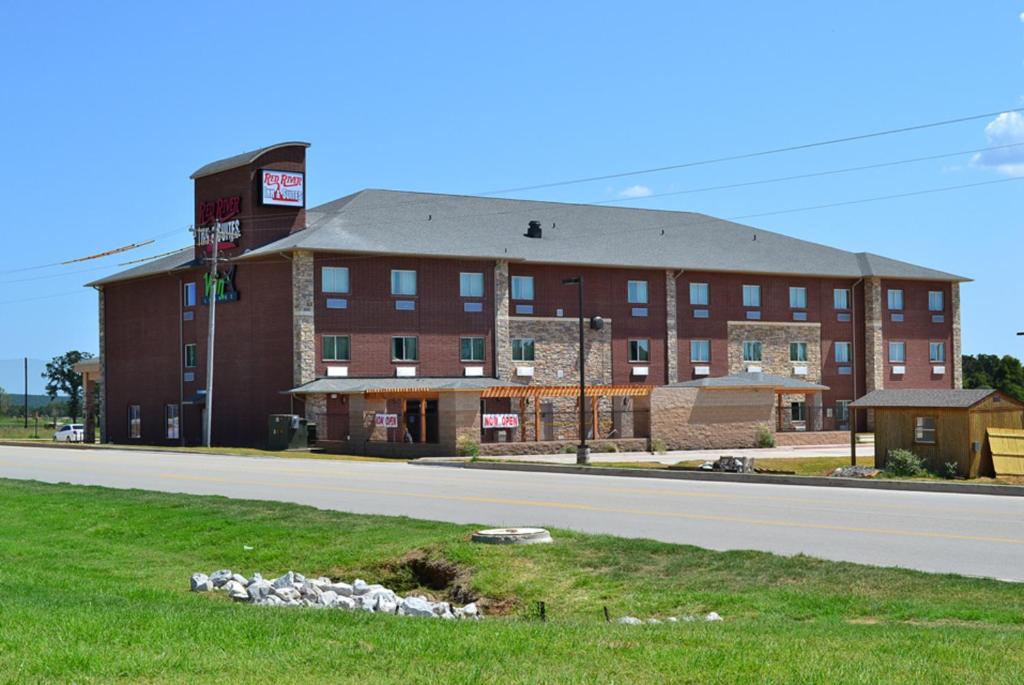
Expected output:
(611, 510)
(831, 505)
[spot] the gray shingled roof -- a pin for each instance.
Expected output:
(180, 259)
(752, 380)
(407, 223)
(936, 399)
(354, 385)
(243, 159)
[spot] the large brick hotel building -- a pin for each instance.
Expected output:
(446, 311)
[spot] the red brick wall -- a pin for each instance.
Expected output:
(917, 330)
(605, 294)
(371, 319)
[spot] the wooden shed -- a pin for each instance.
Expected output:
(941, 426)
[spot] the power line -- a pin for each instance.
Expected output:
(751, 155)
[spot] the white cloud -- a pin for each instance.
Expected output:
(636, 191)
(1022, 16)
(1005, 129)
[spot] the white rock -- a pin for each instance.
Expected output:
(712, 617)
(288, 594)
(689, 619)
(471, 609)
(199, 582)
(343, 589)
(218, 578)
(630, 620)
(287, 580)
(359, 586)
(259, 589)
(327, 598)
(415, 606)
(321, 581)
(233, 586)
(256, 578)
(653, 621)
(239, 578)
(343, 602)
(442, 608)
(309, 590)
(672, 619)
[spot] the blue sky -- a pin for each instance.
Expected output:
(108, 107)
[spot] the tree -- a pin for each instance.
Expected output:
(5, 402)
(62, 378)
(991, 371)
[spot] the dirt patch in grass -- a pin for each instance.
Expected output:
(439, 578)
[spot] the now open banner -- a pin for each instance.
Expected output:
(501, 420)
(385, 420)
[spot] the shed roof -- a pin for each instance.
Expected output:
(348, 386)
(918, 398)
(744, 381)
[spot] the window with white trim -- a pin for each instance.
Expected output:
(898, 352)
(700, 351)
(751, 296)
(335, 348)
(405, 348)
(522, 349)
(522, 287)
(895, 298)
(334, 279)
(699, 294)
(172, 421)
(191, 356)
(134, 422)
(471, 349)
(471, 284)
(403, 282)
(797, 298)
(190, 295)
(924, 430)
(636, 292)
(797, 351)
(751, 351)
(844, 352)
(936, 301)
(937, 352)
(639, 350)
(841, 298)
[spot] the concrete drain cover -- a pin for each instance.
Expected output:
(512, 536)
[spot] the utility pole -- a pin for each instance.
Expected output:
(211, 334)
(26, 392)
(582, 452)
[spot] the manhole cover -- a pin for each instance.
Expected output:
(512, 536)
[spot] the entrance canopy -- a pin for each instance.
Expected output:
(395, 386)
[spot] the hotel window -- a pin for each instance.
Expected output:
(403, 282)
(751, 296)
(404, 349)
(844, 352)
(336, 348)
(191, 356)
(522, 287)
(895, 299)
(699, 293)
(637, 292)
(471, 349)
(924, 430)
(522, 349)
(334, 279)
(937, 352)
(751, 351)
(798, 298)
(898, 352)
(190, 295)
(700, 351)
(134, 422)
(172, 421)
(471, 284)
(843, 410)
(797, 351)
(935, 301)
(639, 350)
(841, 298)
(798, 411)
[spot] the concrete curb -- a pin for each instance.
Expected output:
(715, 477)
(122, 448)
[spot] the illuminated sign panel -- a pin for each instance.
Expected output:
(284, 188)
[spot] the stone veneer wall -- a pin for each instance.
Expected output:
(671, 328)
(103, 368)
(874, 343)
(304, 330)
(502, 341)
(556, 350)
(775, 338)
(694, 418)
(958, 361)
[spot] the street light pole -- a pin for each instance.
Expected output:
(211, 335)
(582, 452)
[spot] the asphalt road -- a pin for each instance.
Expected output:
(969, 534)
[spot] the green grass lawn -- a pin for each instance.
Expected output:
(14, 429)
(94, 588)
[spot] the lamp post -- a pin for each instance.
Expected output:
(582, 452)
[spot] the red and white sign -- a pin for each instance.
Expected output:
(385, 420)
(286, 188)
(501, 420)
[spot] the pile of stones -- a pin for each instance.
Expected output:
(295, 590)
(855, 472)
(634, 621)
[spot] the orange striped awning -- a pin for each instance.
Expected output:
(522, 391)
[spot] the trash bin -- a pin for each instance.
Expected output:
(310, 434)
(287, 432)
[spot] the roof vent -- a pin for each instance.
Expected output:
(533, 230)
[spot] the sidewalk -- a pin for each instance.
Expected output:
(797, 452)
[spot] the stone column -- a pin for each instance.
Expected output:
(303, 324)
(103, 367)
(874, 343)
(957, 351)
(671, 329)
(502, 340)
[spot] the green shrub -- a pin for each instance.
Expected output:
(607, 447)
(952, 469)
(467, 447)
(569, 449)
(658, 446)
(764, 437)
(901, 462)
